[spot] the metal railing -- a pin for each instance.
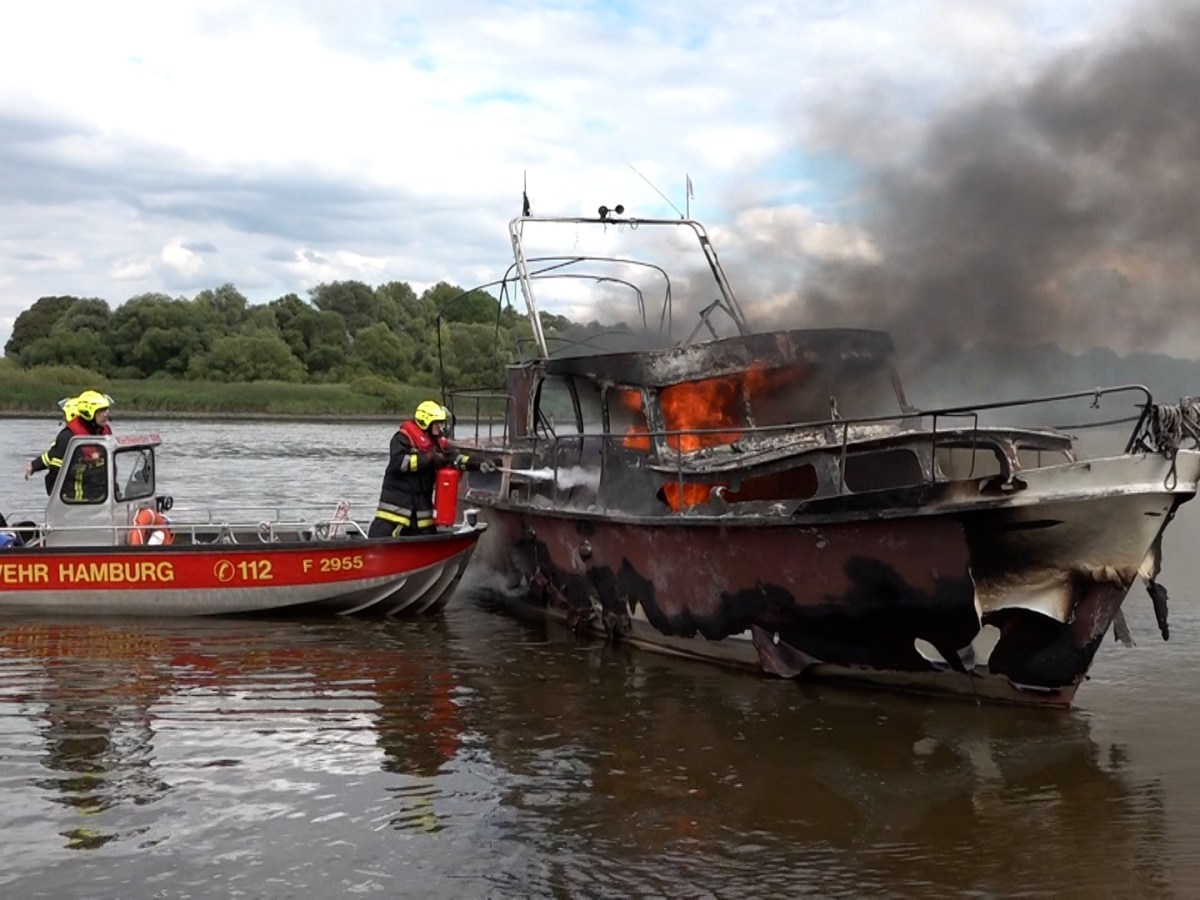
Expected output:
(212, 530)
(942, 428)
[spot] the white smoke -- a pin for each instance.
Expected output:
(573, 476)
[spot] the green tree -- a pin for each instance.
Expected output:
(399, 292)
(296, 320)
(379, 350)
(357, 304)
(329, 349)
(455, 305)
(260, 318)
(36, 322)
(82, 347)
(414, 315)
(153, 334)
(248, 357)
(90, 314)
(225, 305)
(474, 356)
(318, 339)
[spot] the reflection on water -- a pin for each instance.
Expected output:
(473, 755)
(483, 756)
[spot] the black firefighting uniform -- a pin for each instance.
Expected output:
(406, 497)
(84, 478)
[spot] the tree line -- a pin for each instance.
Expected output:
(343, 331)
(347, 332)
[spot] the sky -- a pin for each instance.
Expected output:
(964, 171)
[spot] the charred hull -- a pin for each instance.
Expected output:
(943, 604)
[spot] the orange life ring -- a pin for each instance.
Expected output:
(150, 528)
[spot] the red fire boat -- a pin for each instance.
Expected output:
(109, 545)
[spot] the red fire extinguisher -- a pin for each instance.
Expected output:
(445, 497)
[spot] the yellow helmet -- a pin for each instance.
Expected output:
(428, 412)
(67, 405)
(86, 405)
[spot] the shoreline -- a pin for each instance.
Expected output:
(216, 416)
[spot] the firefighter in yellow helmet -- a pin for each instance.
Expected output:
(417, 451)
(87, 414)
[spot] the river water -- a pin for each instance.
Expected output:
(470, 754)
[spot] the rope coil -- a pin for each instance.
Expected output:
(1171, 423)
(1169, 426)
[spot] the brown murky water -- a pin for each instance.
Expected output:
(471, 754)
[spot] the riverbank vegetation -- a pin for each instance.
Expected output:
(348, 350)
(37, 390)
(344, 332)
(353, 350)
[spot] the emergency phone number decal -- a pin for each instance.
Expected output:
(226, 571)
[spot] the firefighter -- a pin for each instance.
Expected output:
(418, 449)
(87, 414)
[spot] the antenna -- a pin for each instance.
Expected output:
(657, 191)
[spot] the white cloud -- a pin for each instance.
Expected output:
(182, 260)
(135, 270)
(392, 141)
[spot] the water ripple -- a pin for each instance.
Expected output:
(472, 755)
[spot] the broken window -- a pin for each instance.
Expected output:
(703, 413)
(627, 418)
(883, 469)
(556, 410)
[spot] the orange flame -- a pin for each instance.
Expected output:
(712, 403)
(636, 436)
(682, 496)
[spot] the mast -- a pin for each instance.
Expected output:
(515, 229)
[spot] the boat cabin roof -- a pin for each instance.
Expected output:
(674, 365)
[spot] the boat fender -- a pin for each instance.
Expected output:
(445, 497)
(7, 539)
(151, 528)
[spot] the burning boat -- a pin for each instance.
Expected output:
(772, 501)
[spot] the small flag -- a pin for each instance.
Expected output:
(525, 204)
(691, 194)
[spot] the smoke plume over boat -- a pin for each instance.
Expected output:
(1065, 210)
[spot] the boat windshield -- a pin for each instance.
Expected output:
(133, 473)
(568, 407)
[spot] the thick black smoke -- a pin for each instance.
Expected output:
(1065, 212)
